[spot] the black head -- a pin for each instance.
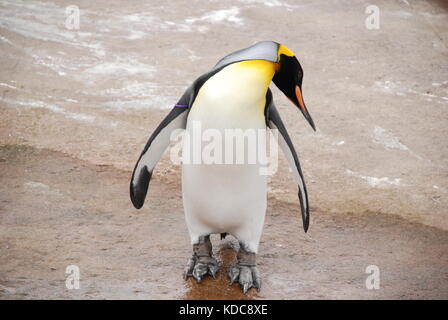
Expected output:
(288, 78)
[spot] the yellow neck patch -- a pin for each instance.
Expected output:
(263, 68)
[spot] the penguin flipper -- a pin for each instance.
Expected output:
(153, 151)
(160, 139)
(274, 121)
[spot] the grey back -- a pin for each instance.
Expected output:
(265, 50)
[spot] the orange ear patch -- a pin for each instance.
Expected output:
(284, 50)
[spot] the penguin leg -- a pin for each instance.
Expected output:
(202, 261)
(245, 270)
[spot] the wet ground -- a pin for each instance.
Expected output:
(58, 211)
(77, 107)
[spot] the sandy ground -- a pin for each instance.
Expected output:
(78, 105)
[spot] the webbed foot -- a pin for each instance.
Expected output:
(202, 261)
(245, 271)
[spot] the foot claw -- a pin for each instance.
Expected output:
(247, 276)
(212, 270)
(256, 277)
(246, 287)
(198, 268)
(234, 273)
(199, 271)
(189, 268)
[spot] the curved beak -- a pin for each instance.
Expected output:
(302, 107)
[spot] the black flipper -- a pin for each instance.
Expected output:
(274, 121)
(160, 140)
(153, 151)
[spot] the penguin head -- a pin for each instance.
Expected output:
(288, 78)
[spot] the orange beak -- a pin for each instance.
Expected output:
(303, 107)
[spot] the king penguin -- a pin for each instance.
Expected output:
(220, 197)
